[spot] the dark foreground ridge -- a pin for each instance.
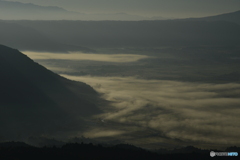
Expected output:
(72, 151)
(34, 100)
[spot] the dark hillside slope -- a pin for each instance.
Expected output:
(34, 99)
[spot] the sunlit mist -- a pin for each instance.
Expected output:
(83, 56)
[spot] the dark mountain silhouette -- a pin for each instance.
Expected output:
(140, 33)
(229, 17)
(14, 144)
(26, 38)
(21, 151)
(233, 149)
(34, 100)
(189, 149)
(128, 147)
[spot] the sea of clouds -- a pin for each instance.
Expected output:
(160, 111)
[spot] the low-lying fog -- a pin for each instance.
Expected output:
(85, 56)
(152, 112)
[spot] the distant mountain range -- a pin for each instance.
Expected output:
(228, 17)
(139, 33)
(19, 11)
(34, 100)
(27, 38)
(29, 11)
(10, 10)
(66, 35)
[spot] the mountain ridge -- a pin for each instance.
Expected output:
(9, 3)
(34, 100)
(18, 10)
(140, 33)
(28, 38)
(230, 17)
(30, 11)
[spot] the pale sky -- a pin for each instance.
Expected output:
(148, 8)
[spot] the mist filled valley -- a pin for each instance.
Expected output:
(154, 84)
(158, 98)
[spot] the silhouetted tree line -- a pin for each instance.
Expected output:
(76, 151)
